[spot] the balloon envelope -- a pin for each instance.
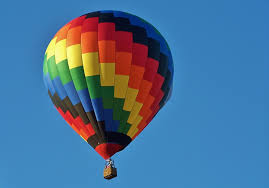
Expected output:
(108, 73)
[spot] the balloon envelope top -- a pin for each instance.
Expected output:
(108, 73)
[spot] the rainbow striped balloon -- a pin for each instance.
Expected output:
(108, 73)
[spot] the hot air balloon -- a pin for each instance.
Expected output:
(108, 73)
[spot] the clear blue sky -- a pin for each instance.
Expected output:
(215, 125)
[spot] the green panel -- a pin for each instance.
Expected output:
(64, 72)
(52, 68)
(78, 78)
(107, 103)
(124, 115)
(45, 66)
(117, 108)
(107, 95)
(93, 83)
(126, 128)
(121, 128)
(107, 91)
(123, 120)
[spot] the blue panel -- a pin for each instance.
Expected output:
(45, 81)
(97, 105)
(59, 87)
(72, 93)
(49, 84)
(85, 100)
(108, 119)
(171, 65)
(115, 125)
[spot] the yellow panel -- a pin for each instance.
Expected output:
(136, 108)
(60, 51)
(133, 133)
(131, 130)
(138, 119)
(74, 56)
(91, 63)
(130, 99)
(107, 74)
(51, 47)
(121, 85)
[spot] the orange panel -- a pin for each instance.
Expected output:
(148, 102)
(74, 36)
(123, 63)
(136, 76)
(106, 51)
(62, 33)
(89, 42)
(143, 91)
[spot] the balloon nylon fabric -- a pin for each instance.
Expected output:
(108, 73)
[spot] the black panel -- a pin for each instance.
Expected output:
(163, 65)
(106, 17)
(166, 81)
(140, 35)
(161, 104)
(79, 108)
(101, 126)
(121, 21)
(99, 132)
(153, 49)
(112, 137)
(70, 107)
(58, 102)
(124, 27)
(92, 14)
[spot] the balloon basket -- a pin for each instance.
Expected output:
(110, 171)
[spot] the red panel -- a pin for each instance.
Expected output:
(90, 24)
(157, 84)
(149, 75)
(124, 41)
(69, 119)
(140, 54)
(77, 22)
(152, 64)
(106, 31)
(151, 69)
(90, 129)
(107, 150)
(157, 100)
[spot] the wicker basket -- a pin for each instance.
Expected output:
(110, 172)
